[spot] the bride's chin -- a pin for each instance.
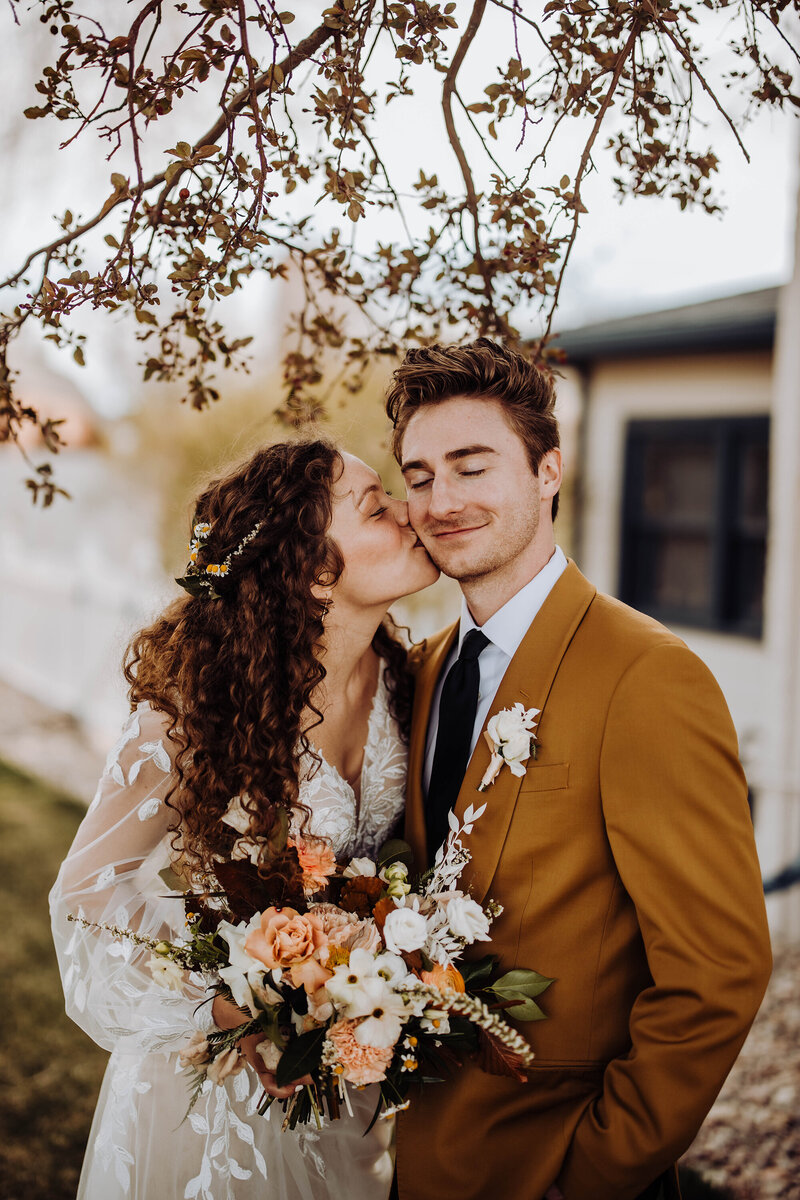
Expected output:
(427, 578)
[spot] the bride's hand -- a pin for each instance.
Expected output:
(228, 1015)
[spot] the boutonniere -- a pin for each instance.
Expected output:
(510, 737)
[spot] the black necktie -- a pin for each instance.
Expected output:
(457, 708)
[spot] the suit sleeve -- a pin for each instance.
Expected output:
(675, 805)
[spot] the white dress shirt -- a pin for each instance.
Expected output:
(505, 630)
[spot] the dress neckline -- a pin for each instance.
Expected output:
(374, 709)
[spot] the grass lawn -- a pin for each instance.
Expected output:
(51, 1070)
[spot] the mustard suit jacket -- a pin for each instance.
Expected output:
(626, 866)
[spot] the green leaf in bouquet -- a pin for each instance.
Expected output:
(427, 962)
(521, 985)
(476, 973)
(526, 1010)
(300, 1057)
(173, 881)
(269, 1022)
(395, 850)
(279, 834)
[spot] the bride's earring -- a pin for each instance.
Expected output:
(327, 608)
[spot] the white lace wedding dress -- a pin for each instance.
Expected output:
(138, 1149)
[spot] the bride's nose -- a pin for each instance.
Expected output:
(399, 511)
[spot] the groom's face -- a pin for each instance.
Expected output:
(473, 499)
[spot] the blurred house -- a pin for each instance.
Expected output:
(688, 471)
(80, 578)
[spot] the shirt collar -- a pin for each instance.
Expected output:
(508, 626)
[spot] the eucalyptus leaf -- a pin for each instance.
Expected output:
(527, 1010)
(395, 850)
(173, 881)
(520, 982)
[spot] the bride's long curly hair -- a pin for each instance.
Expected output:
(236, 675)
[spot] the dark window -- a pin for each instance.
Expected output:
(694, 527)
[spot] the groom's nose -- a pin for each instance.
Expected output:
(443, 499)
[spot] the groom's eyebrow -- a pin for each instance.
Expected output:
(419, 464)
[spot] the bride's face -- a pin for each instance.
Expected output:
(383, 557)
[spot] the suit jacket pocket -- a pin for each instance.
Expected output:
(550, 777)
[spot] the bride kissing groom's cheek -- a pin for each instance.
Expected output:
(621, 848)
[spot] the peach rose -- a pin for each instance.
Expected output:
(317, 862)
(310, 975)
(362, 1064)
(285, 938)
(444, 977)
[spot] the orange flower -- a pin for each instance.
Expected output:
(317, 862)
(285, 939)
(359, 894)
(362, 1064)
(444, 977)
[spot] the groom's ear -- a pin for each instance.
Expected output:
(550, 474)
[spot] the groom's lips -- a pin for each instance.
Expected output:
(448, 533)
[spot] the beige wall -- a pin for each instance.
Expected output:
(748, 670)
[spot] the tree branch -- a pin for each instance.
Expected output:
(302, 51)
(448, 90)
(624, 54)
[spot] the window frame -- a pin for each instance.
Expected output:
(727, 435)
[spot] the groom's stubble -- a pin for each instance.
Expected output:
(514, 531)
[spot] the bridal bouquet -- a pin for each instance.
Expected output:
(363, 981)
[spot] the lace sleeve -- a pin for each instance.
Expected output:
(111, 874)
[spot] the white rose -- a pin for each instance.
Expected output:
(504, 725)
(517, 748)
(359, 866)
(404, 929)
(511, 721)
(467, 919)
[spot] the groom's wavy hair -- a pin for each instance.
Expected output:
(236, 674)
(481, 368)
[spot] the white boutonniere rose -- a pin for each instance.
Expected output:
(510, 737)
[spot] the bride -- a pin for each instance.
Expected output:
(277, 679)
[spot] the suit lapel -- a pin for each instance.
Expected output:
(528, 679)
(425, 687)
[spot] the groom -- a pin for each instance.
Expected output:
(624, 858)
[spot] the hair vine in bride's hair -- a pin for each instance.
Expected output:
(202, 581)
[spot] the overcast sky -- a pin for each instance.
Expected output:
(643, 254)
